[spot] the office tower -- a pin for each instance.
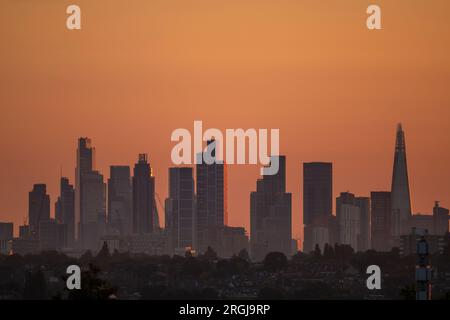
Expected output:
(271, 215)
(120, 200)
(380, 220)
(52, 235)
(400, 197)
(93, 210)
(84, 165)
(90, 198)
(143, 196)
(353, 218)
(6, 236)
(65, 209)
(211, 197)
(317, 197)
(440, 220)
(348, 217)
(363, 203)
(180, 210)
(38, 208)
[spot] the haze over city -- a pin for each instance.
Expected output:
(335, 91)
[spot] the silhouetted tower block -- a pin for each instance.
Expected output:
(380, 202)
(84, 165)
(143, 196)
(38, 208)
(271, 215)
(120, 200)
(180, 210)
(211, 185)
(65, 209)
(400, 195)
(440, 219)
(317, 197)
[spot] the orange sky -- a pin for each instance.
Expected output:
(139, 69)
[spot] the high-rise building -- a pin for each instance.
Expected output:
(120, 200)
(363, 204)
(38, 208)
(211, 197)
(317, 197)
(143, 196)
(271, 215)
(400, 196)
(52, 235)
(380, 220)
(65, 209)
(440, 220)
(90, 198)
(350, 211)
(84, 165)
(180, 210)
(6, 236)
(93, 208)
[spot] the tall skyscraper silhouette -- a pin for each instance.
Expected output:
(65, 209)
(143, 196)
(90, 198)
(317, 197)
(211, 198)
(380, 202)
(93, 209)
(271, 215)
(180, 210)
(120, 200)
(84, 165)
(400, 196)
(38, 208)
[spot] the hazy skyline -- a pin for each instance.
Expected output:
(138, 70)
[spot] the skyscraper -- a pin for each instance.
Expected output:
(400, 197)
(363, 204)
(65, 209)
(348, 217)
(380, 202)
(93, 210)
(38, 208)
(143, 196)
(271, 215)
(120, 200)
(440, 219)
(90, 198)
(180, 210)
(85, 163)
(317, 197)
(353, 217)
(211, 198)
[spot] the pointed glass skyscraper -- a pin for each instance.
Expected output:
(401, 202)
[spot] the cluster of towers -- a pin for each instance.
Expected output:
(124, 211)
(382, 221)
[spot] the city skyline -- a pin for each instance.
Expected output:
(334, 89)
(318, 173)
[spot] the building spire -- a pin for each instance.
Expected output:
(401, 202)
